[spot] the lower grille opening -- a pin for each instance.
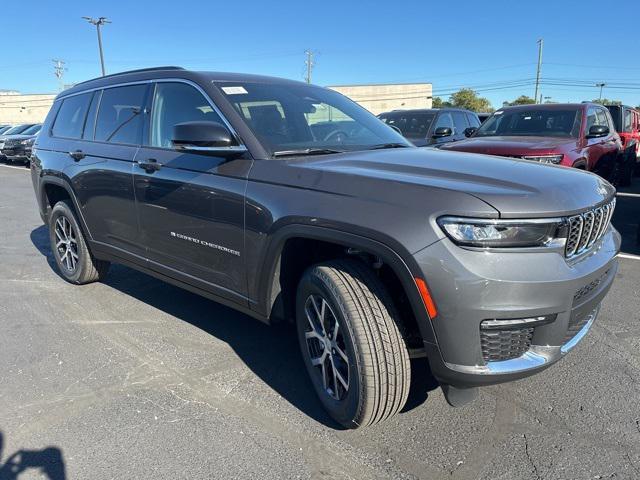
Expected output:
(498, 345)
(509, 338)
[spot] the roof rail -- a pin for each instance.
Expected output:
(139, 70)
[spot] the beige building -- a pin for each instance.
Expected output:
(16, 108)
(380, 98)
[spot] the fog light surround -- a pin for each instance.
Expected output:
(517, 323)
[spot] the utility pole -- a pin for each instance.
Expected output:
(601, 85)
(540, 45)
(98, 22)
(309, 63)
(58, 71)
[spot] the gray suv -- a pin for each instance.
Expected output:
(290, 202)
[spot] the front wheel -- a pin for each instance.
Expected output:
(73, 258)
(351, 345)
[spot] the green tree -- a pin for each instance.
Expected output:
(606, 101)
(439, 103)
(469, 99)
(522, 100)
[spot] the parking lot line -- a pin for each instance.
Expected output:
(623, 194)
(15, 167)
(629, 256)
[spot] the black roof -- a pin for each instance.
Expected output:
(169, 72)
(426, 110)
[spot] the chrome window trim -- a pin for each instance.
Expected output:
(156, 80)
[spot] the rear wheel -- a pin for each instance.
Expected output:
(73, 258)
(351, 345)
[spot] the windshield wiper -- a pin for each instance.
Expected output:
(388, 145)
(305, 151)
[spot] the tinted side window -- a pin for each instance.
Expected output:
(460, 122)
(444, 120)
(70, 119)
(473, 120)
(90, 123)
(175, 103)
(602, 118)
(628, 121)
(592, 119)
(120, 115)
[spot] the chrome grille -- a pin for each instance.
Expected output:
(587, 228)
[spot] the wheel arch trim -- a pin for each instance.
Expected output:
(57, 181)
(405, 268)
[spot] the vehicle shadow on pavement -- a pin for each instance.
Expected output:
(271, 352)
(48, 463)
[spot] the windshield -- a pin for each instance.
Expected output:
(412, 125)
(292, 117)
(16, 130)
(32, 130)
(4, 129)
(532, 122)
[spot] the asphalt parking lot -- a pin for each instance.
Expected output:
(134, 378)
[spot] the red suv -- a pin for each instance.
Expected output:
(574, 135)
(627, 122)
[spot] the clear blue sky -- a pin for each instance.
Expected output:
(466, 43)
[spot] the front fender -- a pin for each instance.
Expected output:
(390, 252)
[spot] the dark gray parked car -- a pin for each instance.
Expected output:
(434, 126)
(232, 186)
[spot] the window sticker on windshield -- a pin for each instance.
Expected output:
(234, 90)
(499, 112)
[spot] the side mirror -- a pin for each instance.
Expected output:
(470, 131)
(597, 131)
(442, 132)
(204, 137)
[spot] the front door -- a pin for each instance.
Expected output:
(190, 206)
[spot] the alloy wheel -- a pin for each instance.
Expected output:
(326, 347)
(66, 243)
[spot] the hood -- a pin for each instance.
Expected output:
(512, 146)
(17, 137)
(516, 188)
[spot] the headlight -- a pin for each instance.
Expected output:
(553, 159)
(504, 233)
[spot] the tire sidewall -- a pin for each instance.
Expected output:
(62, 209)
(344, 411)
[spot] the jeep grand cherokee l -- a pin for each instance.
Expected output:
(432, 127)
(222, 183)
(572, 135)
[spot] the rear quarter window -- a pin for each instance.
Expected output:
(70, 119)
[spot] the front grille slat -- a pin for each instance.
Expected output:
(585, 229)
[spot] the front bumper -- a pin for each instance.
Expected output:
(16, 153)
(472, 286)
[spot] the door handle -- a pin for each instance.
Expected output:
(77, 155)
(150, 165)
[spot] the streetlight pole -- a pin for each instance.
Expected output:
(601, 85)
(98, 22)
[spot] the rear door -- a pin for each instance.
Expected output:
(102, 169)
(190, 206)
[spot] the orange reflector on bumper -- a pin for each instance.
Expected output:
(426, 297)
